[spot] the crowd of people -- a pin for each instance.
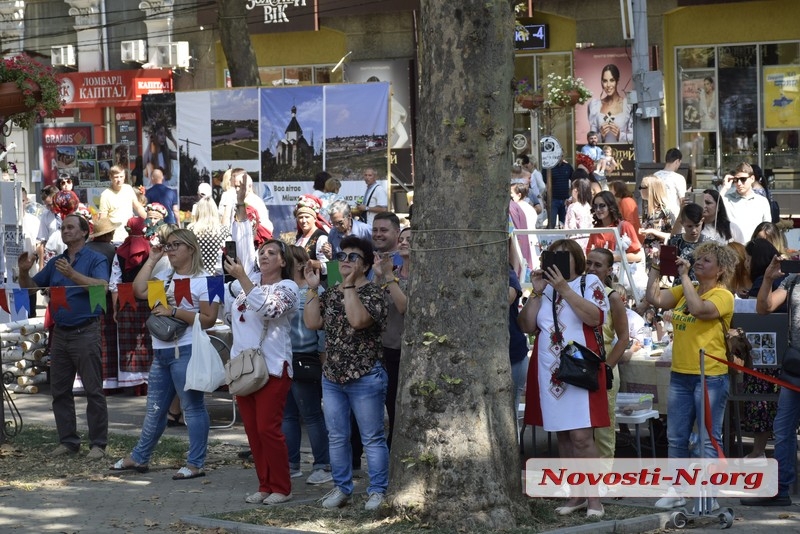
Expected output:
(708, 266)
(322, 333)
(327, 313)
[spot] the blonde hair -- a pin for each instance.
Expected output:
(725, 256)
(226, 180)
(332, 185)
(656, 194)
(188, 238)
(205, 217)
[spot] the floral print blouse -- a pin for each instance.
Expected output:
(352, 353)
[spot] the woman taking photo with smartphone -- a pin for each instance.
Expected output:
(170, 358)
(579, 305)
(262, 300)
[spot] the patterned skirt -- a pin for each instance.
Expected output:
(135, 345)
(758, 415)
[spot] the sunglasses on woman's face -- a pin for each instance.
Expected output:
(352, 257)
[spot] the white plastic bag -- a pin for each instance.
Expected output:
(205, 371)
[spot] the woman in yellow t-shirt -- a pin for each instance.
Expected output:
(701, 315)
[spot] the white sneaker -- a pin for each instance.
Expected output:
(295, 473)
(277, 498)
(319, 476)
(256, 497)
(670, 500)
(374, 501)
(335, 498)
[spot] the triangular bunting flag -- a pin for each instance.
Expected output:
(125, 296)
(183, 291)
(58, 298)
(156, 293)
(97, 297)
(216, 288)
(4, 301)
(22, 301)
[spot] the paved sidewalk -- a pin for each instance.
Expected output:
(149, 503)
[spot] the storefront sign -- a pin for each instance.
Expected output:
(781, 91)
(535, 37)
(112, 88)
(48, 138)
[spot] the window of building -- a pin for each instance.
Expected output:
(299, 75)
(532, 126)
(734, 106)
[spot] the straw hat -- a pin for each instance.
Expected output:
(104, 226)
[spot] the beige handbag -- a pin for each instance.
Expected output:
(247, 372)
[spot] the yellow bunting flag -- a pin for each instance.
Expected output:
(97, 297)
(156, 294)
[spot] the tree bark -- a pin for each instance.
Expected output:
(455, 457)
(235, 38)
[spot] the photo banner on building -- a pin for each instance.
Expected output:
(48, 138)
(298, 132)
(160, 150)
(698, 100)
(781, 110)
(606, 72)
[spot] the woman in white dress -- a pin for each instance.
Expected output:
(708, 105)
(580, 304)
(610, 115)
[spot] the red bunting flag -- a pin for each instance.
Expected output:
(125, 296)
(183, 291)
(58, 298)
(4, 301)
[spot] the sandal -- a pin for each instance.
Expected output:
(184, 473)
(133, 466)
(175, 419)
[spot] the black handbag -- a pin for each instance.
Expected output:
(578, 365)
(306, 367)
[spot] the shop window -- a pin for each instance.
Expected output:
(530, 127)
(270, 76)
(324, 75)
(733, 107)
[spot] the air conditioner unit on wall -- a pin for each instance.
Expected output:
(175, 54)
(134, 51)
(62, 56)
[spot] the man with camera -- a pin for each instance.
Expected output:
(742, 203)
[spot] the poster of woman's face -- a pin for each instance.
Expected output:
(607, 74)
(698, 100)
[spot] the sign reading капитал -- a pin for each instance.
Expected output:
(122, 88)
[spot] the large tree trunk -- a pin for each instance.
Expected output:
(455, 457)
(235, 38)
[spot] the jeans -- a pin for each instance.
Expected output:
(685, 396)
(78, 350)
(785, 429)
(558, 211)
(365, 396)
(305, 400)
(167, 377)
